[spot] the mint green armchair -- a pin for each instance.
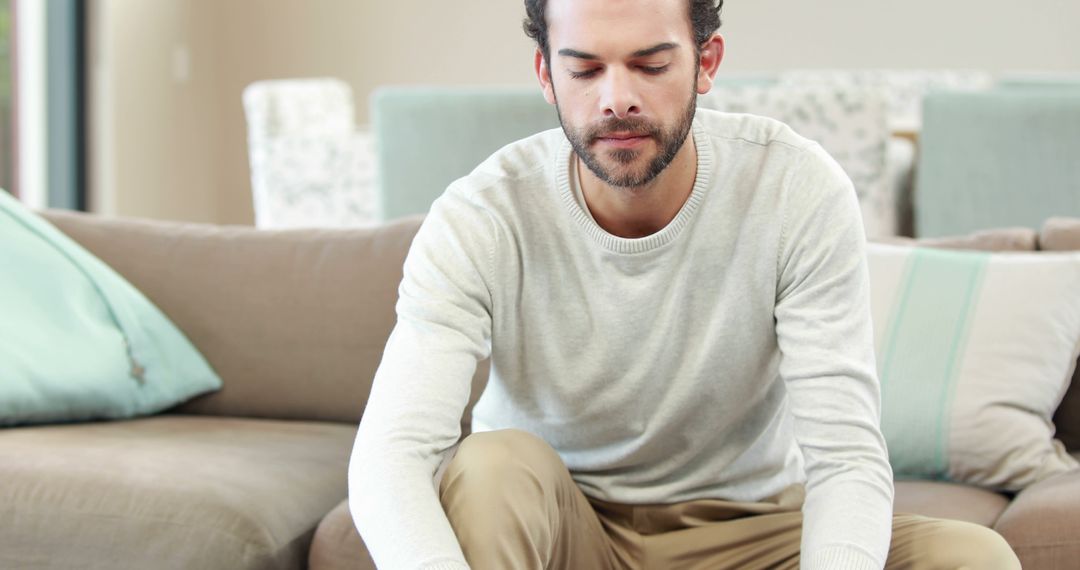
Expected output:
(1006, 157)
(427, 137)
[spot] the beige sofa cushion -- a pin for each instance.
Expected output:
(1063, 234)
(1043, 523)
(168, 492)
(950, 501)
(294, 321)
(1060, 234)
(1001, 239)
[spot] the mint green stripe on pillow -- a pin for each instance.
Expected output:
(921, 357)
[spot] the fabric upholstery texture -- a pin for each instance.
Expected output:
(294, 321)
(337, 545)
(1060, 234)
(975, 351)
(997, 158)
(169, 492)
(945, 500)
(77, 341)
(1063, 234)
(1042, 524)
(1000, 240)
(447, 130)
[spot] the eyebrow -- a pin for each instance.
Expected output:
(639, 53)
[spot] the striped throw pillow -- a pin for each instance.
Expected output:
(975, 351)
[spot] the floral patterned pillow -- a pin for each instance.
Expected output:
(310, 165)
(903, 89)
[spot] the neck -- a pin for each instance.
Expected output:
(643, 210)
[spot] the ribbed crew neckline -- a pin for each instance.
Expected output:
(618, 244)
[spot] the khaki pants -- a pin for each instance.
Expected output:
(513, 506)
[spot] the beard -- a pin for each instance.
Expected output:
(623, 174)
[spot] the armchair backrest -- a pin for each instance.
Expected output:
(997, 158)
(427, 137)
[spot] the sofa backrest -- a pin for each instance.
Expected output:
(294, 321)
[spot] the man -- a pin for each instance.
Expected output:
(676, 310)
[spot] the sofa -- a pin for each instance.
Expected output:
(295, 322)
(254, 475)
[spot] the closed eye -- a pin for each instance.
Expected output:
(583, 74)
(653, 70)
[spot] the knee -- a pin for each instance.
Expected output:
(978, 547)
(968, 546)
(494, 460)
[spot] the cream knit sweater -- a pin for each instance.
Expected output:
(728, 355)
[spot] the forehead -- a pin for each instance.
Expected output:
(612, 27)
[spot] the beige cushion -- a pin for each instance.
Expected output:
(337, 544)
(1060, 234)
(949, 501)
(1003, 239)
(1043, 523)
(168, 492)
(294, 321)
(1063, 234)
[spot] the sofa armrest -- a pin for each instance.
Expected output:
(294, 321)
(337, 544)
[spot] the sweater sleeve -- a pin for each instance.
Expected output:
(827, 363)
(421, 389)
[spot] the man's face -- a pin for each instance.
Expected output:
(624, 76)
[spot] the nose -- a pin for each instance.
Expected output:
(619, 97)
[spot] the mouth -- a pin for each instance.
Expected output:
(622, 139)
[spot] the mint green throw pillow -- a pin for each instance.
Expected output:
(77, 341)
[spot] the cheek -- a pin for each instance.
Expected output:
(576, 105)
(677, 93)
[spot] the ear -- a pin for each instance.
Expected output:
(712, 51)
(543, 73)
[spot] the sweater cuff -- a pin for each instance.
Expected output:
(448, 565)
(840, 558)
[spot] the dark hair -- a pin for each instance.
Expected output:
(704, 20)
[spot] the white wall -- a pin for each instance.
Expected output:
(993, 35)
(176, 149)
(153, 143)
